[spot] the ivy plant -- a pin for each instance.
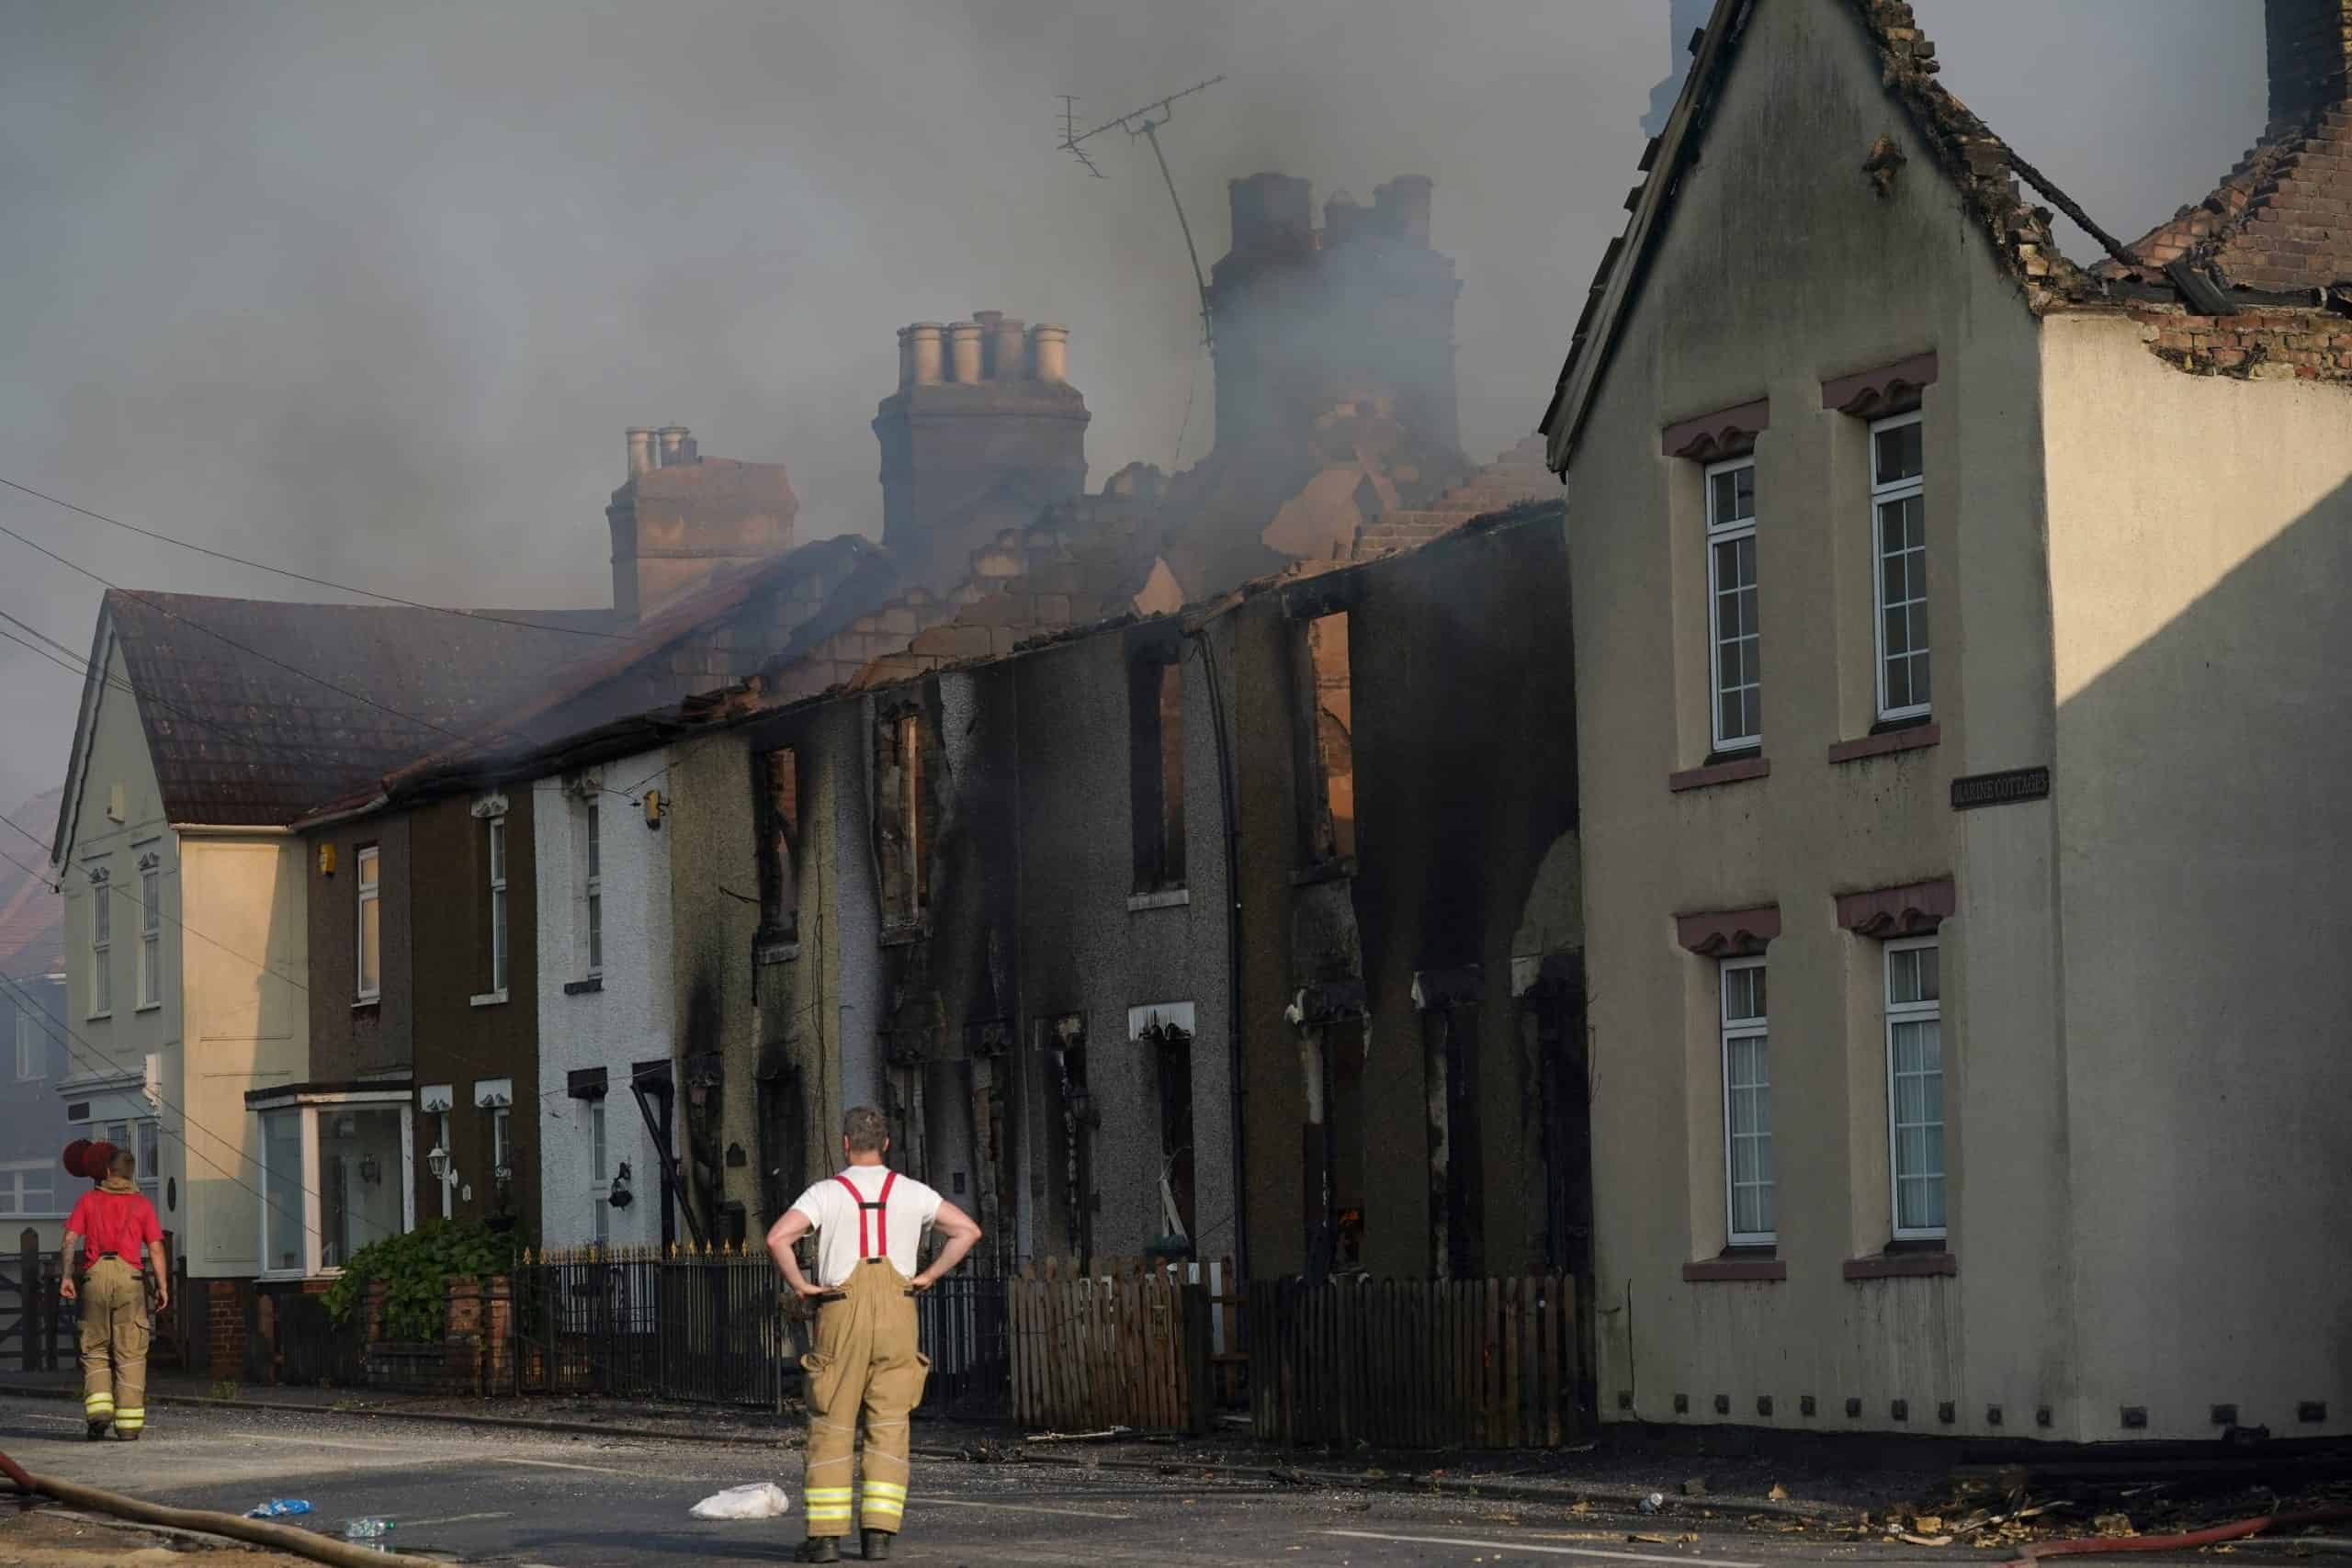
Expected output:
(416, 1269)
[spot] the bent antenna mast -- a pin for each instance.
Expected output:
(1146, 122)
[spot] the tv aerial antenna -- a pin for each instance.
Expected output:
(1146, 122)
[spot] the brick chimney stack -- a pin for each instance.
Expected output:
(2309, 45)
(681, 518)
(975, 439)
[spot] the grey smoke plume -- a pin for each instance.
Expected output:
(373, 290)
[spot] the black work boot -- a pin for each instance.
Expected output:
(877, 1546)
(129, 1437)
(98, 1430)
(819, 1548)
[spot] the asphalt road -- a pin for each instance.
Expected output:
(489, 1497)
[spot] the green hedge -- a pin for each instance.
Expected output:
(416, 1269)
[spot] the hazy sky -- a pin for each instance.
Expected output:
(371, 289)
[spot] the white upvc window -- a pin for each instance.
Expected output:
(28, 1190)
(338, 1172)
(1734, 642)
(101, 943)
(32, 1045)
(1915, 1087)
(1747, 1104)
(1899, 555)
(497, 905)
(150, 930)
(593, 885)
(599, 1178)
(369, 961)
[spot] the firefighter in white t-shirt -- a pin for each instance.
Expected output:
(869, 1222)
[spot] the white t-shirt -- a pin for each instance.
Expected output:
(835, 1214)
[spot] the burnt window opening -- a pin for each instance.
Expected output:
(1332, 797)
(1064, 1046)
(1171, 1049)
(779, 845)
(901, 824)
(1156, 756)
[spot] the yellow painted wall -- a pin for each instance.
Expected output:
(2200, 539)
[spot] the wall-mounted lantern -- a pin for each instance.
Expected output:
(443, 1170)
(653, 809)
(326, 859)
(622, 1198)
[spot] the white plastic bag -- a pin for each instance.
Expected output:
(759, 1500)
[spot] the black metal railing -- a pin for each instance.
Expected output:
(719, 1327)
(964, 1324)
(706, 1326)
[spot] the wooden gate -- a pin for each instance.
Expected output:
(36, 1331)
(1095, 1348)
(1417, 1363)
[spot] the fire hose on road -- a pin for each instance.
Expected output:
(255, 1532)
(2186, 1542)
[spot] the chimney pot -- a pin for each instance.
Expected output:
(923, 353)
(1269, 208)
(1006, 355)
(963, 351)
(1051, 347)
(677, 445)
(641, 450)
(1401, 207)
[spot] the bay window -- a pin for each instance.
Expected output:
(337, 1173)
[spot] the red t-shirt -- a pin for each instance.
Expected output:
(119, 1223)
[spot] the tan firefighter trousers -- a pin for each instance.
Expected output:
(864, 1359)
(115, 1331)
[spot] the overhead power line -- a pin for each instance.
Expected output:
(298, 575)
(138, 598)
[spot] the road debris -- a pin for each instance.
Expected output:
(754, 1500)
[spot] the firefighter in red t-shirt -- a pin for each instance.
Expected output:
(118, 1225)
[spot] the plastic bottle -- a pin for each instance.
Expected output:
(278, 1508)
(366, 1530)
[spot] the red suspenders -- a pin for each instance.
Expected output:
(879, 1246)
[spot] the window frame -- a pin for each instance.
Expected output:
(101, 941)
(365, 985)
(592, 884)
(31, 1045)
(500, 957)
(1728, 1029)
(1914, 487)
(1719, 534)
(1896, 1014)
(12, 1191)
(150, 867)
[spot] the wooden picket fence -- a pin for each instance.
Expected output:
(1109, 1345)
(1417, 1363)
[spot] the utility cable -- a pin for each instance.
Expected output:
(138, 598)
(302, 577)
(228, 737)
